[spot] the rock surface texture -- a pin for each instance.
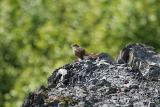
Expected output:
(131, 81)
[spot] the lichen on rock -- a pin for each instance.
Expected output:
(132, 81)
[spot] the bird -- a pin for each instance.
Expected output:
(78, 51)
(81, 53)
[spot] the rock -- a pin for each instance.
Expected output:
(152, 104)
(106, 57)
(131, 82)
(33, 100)
(142, 58)
(153, 73)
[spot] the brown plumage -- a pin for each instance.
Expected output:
(81, 53)
(78, 51)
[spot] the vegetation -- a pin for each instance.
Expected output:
(35, 36)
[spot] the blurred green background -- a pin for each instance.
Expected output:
(35, 36)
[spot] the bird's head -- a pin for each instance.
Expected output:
(74, 46)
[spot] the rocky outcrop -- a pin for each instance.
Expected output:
(131, 81)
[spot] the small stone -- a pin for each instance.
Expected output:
(112, 90)
(151, 104)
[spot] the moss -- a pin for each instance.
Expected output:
(67, 101)
(63, 101)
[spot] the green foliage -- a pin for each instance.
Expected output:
(35, 36)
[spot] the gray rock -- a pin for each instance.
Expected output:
(102, 82)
